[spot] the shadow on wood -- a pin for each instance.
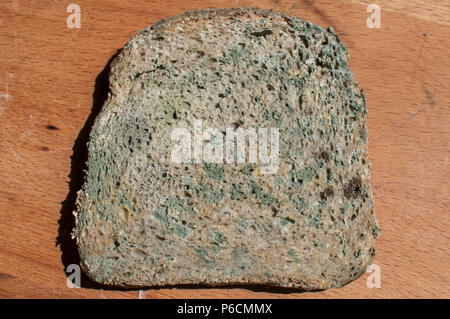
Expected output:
(68, 246)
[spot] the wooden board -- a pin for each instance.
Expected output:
(53, 82)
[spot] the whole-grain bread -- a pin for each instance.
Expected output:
(144, 220)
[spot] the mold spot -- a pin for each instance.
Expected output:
(353, 188)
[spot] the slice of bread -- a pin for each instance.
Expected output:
(145, 218)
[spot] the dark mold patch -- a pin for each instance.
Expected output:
(353, 189)
(262, 33)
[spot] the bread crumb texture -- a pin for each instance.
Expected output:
(142, 220)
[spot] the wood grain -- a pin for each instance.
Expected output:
(53, 81)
